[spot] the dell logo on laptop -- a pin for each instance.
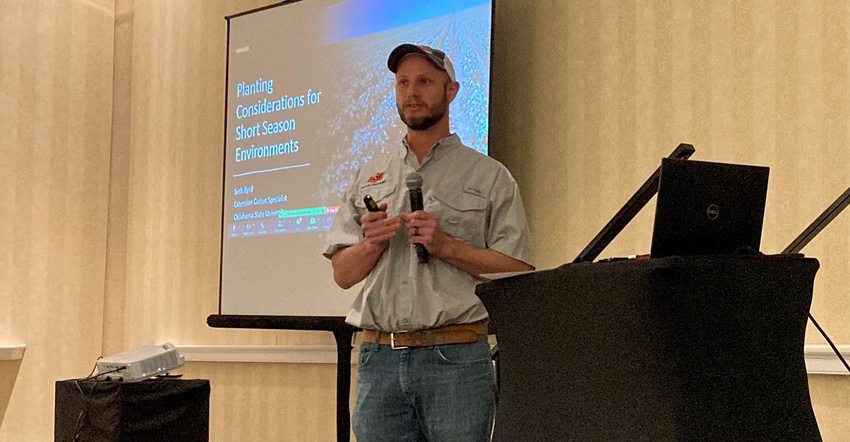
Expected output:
(713, 212)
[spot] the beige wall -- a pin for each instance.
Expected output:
(589, 95)
(55, 99)
(111, 184)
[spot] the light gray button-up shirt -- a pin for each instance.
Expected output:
(476, 201)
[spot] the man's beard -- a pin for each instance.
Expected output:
(435, 114)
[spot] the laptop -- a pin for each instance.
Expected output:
(706, 208)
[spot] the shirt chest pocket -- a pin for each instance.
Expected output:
(462, 216)
(383, 193)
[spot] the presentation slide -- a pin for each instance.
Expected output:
(310, 99)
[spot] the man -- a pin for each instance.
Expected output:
(440, 385)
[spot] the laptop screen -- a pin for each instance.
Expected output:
(706, 208)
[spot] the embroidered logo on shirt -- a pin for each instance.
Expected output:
(473, 190)
(376, 178)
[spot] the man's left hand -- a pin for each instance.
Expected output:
(424, 228)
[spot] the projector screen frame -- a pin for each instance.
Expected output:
(334, 324)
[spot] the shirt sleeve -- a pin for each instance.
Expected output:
(345, 230)
(508, 231)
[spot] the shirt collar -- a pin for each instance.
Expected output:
(439, 150)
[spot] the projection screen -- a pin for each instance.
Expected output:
(309, 99)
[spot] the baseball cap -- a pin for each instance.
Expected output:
(437, 57)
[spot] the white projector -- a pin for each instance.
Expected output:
(140, 363)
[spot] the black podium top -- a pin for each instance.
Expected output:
(697, 348)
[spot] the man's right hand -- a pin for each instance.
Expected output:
(378, 228)
(352, 264)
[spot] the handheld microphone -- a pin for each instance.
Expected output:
(414, 188)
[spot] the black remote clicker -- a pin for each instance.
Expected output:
(371, 205)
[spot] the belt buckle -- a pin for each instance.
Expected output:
(392, 342)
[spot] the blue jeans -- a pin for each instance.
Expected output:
(445, 393)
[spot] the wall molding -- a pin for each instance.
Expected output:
(820, 359)
(12, 352)
(290, 354)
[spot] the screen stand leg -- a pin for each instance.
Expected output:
(344, 339)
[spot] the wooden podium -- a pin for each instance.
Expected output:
(670, 349)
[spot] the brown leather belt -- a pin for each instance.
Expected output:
(449, 334)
